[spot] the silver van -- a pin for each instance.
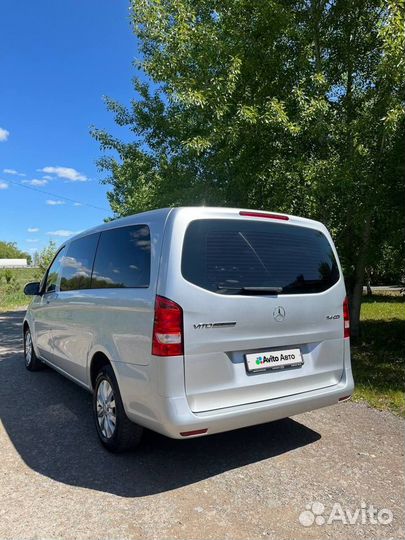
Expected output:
(194, 321)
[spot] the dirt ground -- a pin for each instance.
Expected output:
(269, 481)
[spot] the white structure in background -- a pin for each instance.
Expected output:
(13, 263)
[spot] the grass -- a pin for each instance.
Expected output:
(12, 282)
(378, 357)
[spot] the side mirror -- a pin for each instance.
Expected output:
(32, 289)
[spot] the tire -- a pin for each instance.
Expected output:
(32, 362)
(115, 431)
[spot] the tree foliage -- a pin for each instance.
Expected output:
(288, 105)
(10, 250)
(44, 257)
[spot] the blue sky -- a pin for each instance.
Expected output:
(57, 59)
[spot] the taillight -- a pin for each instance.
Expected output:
(167, 328)
(263, 215)
(346, 318)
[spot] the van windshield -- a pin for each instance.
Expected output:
(233, 256)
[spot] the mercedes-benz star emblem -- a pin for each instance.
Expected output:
(279, 314)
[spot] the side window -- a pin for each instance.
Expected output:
(122, 258)
(53, 272)
(77, 263)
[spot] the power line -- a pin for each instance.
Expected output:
(58, 196)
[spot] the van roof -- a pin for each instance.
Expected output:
(161, 214)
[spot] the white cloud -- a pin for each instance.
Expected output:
(65, 172)
(32, 240)
(61, 232)
(52, 202)
(35, 182)
(3, 185)
(77, 204)
(33, 229)
(4, 134)
(47, 177)
(14, 172)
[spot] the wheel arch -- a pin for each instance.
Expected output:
(25, 326)
(98, 361)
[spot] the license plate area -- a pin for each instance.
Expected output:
(273, 360)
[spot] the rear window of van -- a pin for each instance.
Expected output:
(226, 255)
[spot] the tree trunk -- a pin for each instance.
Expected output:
(357, 291)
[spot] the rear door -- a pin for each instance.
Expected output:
(73, 308)
(104, 297)
(262, 301)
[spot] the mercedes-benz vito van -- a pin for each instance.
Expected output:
(193, 321)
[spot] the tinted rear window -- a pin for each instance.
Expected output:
(122, 258)
(77, 264)
(224, 256)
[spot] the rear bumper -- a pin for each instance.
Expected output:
(175, 415)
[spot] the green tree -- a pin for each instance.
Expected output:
(44, 257)
(10, 250)
(295, 106)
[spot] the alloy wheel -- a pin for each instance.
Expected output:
(106, 413)
(28, 348)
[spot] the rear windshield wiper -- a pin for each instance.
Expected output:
(252, 290)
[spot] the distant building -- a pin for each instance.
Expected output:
(13, 263)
